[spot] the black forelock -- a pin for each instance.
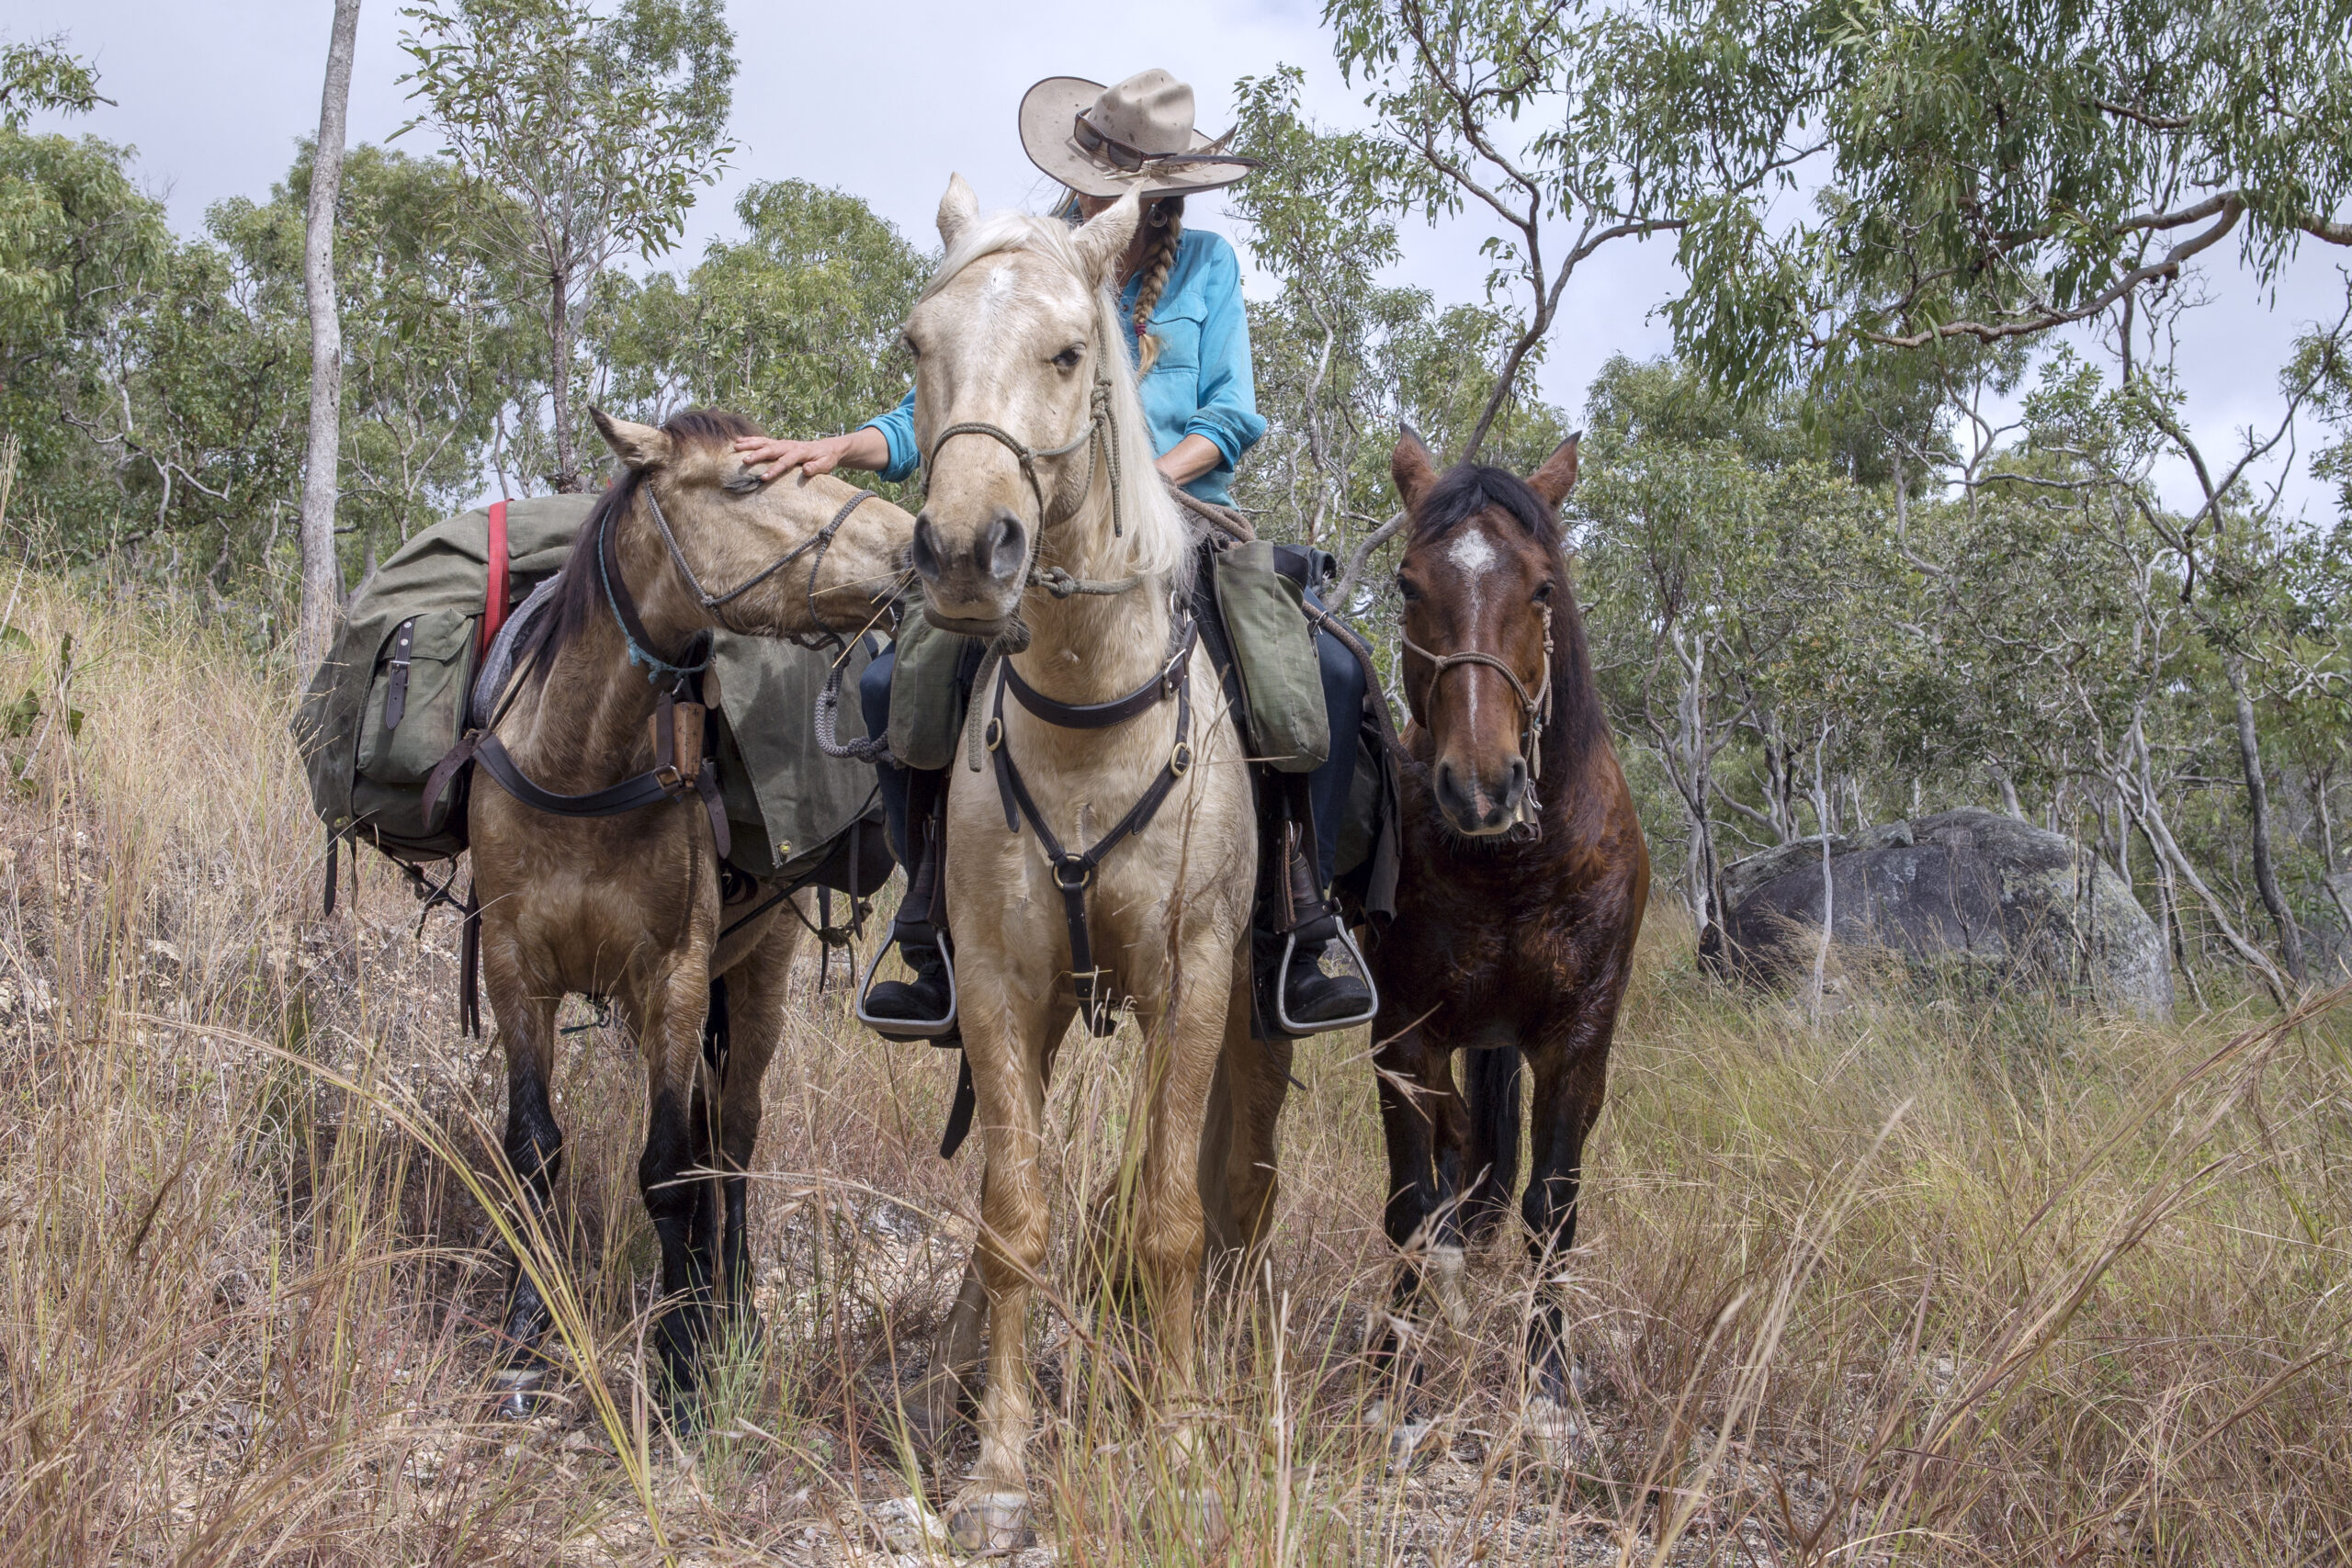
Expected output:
(1466, 490)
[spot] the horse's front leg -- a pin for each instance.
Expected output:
(1424, 1121)
(1187, 1039)
(1569, 1066)
(669, 1021)
(755, 992)
(1003, 1024)
(534, 1149)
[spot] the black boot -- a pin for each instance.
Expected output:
(918, 1000)
(1309, 996)
(1303, 922)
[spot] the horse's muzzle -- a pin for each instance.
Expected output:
(1476, 806)
(972, 575)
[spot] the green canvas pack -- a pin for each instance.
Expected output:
(391, 697)
(1273, 649)
(389, 700)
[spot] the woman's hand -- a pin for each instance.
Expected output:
(862, 448)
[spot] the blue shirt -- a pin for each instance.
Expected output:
(1202, 383)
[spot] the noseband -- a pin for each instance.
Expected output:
(1531, 708)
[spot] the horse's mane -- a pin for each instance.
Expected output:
(580, 596)
(1466, 490)
(1158, 542)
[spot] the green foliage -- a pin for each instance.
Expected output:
(43, 74)
(796, 324)
(590, 133)
(1994, 168)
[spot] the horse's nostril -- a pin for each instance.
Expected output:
(1006, 548)
(1450, 793)
(1516, 785)
(924, 553)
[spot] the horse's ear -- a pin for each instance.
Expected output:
(957, 209)
(638, 446)
(1558, 475)
(1411, 467)
(1103, 240)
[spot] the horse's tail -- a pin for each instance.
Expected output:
(1494, 1078)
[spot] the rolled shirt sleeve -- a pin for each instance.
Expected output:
(1227, 414)
(897, 428)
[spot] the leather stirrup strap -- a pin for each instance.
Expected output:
(470, 966)
(959, 1114)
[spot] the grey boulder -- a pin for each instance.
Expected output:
(1971, 891)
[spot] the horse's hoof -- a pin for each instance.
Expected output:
(521, 1391)
(1412, 1444)
(990, 1522)
(1200, 1518)
(1444, 1271)
(1556, 1435)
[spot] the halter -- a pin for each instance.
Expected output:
(820, 541)
(1531, 708)
(1100, 430)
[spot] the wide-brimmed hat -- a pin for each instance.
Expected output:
(1137, 136)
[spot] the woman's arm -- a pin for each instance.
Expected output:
(1228, 419)
(1189, 460)
(886, 446)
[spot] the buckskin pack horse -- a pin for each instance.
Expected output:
(628, 907)
(1523, 883)
(1108, 849)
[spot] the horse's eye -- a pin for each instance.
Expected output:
(907, 341)
(1543, 593)
(1068, 358)
(1406, 592)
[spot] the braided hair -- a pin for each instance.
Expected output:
(1165, 225)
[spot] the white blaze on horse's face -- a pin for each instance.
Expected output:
(1005, 342)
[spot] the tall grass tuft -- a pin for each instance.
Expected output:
(1962, 1278)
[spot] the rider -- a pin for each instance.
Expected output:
(1188, 333)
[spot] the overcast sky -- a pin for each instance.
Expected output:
(887, 102)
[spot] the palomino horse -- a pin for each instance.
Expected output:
(628, 907)
(1113, 853)
(1523, 881)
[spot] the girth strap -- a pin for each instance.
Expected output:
(1074, 872)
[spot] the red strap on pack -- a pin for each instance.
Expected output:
(494, 611)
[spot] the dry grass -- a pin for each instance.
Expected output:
(1974, 1281)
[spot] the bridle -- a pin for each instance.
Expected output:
(819, 542)
(1532, 707)
(1100, 431)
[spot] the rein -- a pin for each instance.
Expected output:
(1533, 708)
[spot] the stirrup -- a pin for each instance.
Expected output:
(1293, 1027)
(908, 1030)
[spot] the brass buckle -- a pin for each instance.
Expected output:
(1179, 760)
(992, 733)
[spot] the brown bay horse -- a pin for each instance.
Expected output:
(1523, 880)
(630, 905)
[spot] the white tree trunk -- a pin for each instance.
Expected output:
(322, 579)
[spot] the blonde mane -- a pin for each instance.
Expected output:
(1158, 540)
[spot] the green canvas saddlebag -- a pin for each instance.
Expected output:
(392, 698)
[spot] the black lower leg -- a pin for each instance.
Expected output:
(534, 1147)
(674, 1203)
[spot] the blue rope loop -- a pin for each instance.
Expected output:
(655, 665)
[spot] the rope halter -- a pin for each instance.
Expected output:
(1533, 707)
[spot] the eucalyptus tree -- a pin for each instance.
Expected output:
(321, 581)
(796, 323)
(591, 129)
